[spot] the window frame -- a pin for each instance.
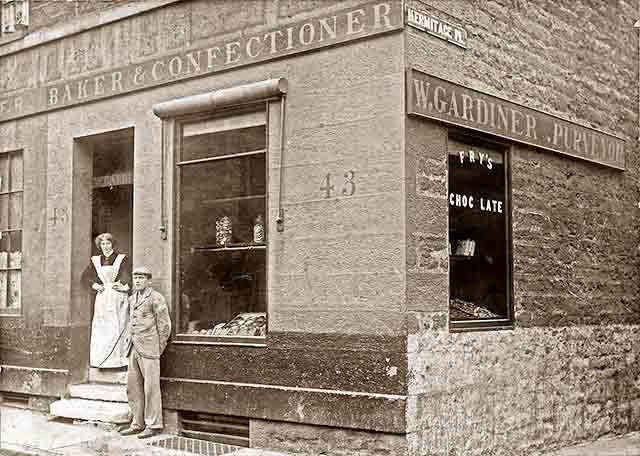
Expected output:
(14, 311)
(178, 127)
(506, 148)
(11, 8)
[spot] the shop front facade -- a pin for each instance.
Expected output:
(382, 227)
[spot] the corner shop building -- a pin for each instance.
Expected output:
(422, 241)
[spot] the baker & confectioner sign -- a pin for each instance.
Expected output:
(331, 28)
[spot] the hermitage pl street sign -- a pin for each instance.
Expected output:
(437, 27)
(445, 101)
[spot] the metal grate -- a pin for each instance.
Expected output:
(232, 430)
(195, 446)
(14, 399)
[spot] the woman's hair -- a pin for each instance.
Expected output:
(105, 237)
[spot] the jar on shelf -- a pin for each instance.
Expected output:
(224, 230)
(258, 230)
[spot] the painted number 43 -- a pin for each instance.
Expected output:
(348, 185)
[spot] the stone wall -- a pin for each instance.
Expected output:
(570, 370)
(47, 13)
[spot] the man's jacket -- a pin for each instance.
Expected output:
(149, 323)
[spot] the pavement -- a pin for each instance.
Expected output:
(28, 432)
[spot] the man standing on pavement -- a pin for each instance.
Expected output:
(149, 330)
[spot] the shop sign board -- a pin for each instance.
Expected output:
(328, 29)
(437, 27)
(435, 98)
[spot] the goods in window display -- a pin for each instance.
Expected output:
(258, 230)
(466, 247)
(243, 324)
(465, 310)
(224, 231)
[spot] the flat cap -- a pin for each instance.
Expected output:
(142, 270)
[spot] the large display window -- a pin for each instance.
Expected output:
(479, 235)
(222, 208)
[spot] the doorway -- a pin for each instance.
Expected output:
(112, 188)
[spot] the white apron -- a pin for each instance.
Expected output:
(110, 314)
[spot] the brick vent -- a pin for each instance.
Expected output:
(194, 446)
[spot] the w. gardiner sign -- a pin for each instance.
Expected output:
(445, 101)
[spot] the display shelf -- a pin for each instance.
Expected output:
(233, 199)
(221, 157)
(217, 248)
(463, 257)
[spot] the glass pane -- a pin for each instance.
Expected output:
(15, 210)
(3, 289)
(477, 233)
(16, 171)
(227, 192)
(5, 245)
(4, 173)
(223, 143)
(4, 212)
(15, 255)
(223, 293)
(15, 286)
(222, 215)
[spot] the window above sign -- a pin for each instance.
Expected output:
(14, 17)
(479, 236)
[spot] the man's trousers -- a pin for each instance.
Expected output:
(143, 391)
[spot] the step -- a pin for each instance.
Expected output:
(112, 392)
(84, 409)
(108, 375)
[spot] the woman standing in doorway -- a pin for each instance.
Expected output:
(110, 277)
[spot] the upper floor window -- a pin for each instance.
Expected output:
(11, 182)
(15, 16)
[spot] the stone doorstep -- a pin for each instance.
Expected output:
(110, 392)
(107, 376)
(84, 409)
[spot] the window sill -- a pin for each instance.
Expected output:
(481, 325)
(11, 37)
(15, 314)
(197, 339)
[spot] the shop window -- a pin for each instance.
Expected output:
(479, 235)
(11, 182)
(14, 17)
(222, 208)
